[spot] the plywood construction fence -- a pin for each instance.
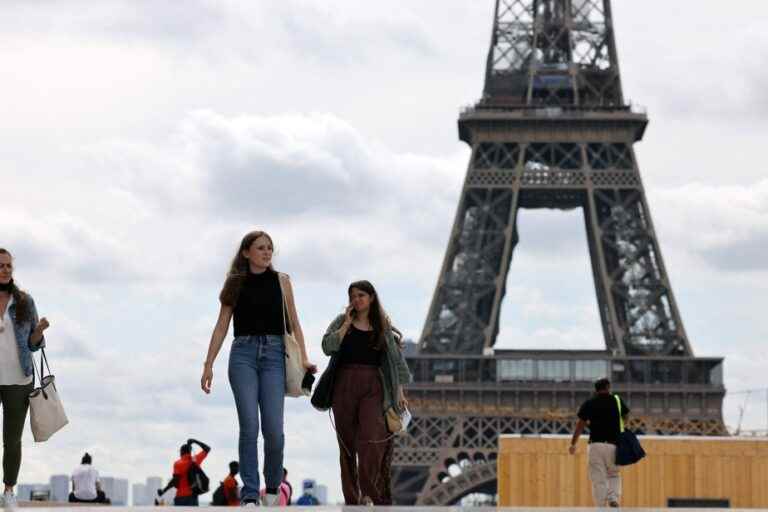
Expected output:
(538, 471)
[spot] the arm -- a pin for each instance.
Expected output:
(173, 483)
(335, 334)
(576, 434)
(403, 372)
(217, 339)
(293, 318)
(202, 445)
(36, 339)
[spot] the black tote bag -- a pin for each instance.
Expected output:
(628, 448)
(322, 396)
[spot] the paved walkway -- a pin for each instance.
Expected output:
(42, 506)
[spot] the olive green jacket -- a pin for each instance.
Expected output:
(394, 370)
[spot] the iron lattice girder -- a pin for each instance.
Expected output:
(634, 296)
(553, 52)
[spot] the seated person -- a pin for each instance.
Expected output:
(86, 487)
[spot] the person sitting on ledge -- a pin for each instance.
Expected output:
(86, 487)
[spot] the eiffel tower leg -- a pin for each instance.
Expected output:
(612, 331)
(464, 314)
(645, 316)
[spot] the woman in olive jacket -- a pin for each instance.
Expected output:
(370, 375)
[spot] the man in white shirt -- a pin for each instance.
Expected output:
(86, 487)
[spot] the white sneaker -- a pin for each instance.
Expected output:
(9, 500)
(270, 500)
(249, 504)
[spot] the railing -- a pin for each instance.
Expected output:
(534, 369)
(551, 111)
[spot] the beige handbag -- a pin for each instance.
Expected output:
(46, 411)
(294, 369)
(397, 422)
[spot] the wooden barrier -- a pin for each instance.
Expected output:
(538, 471)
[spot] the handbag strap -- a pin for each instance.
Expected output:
(43, 364)
(621, 420)
(285, 303)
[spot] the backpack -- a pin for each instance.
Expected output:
(198, 480)
(218, 498)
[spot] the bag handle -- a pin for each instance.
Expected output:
(43, 361)
(621, 420)
(285, 304)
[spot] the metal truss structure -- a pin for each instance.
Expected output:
(552, 130)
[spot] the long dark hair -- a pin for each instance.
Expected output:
(238, 269)
(19, 297)
(376, 314)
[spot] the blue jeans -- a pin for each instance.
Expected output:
(257, 377)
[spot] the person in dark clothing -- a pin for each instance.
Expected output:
(601, 414)
(180, 480)
(230, 485)
(261, 302)
(288, 485)
(369, 379)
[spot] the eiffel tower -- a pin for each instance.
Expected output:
(552, 130)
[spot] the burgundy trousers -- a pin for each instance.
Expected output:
(364, 442)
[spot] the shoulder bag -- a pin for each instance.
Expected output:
(46, 411)
(322, 396)
(294, 369)
(628, 449)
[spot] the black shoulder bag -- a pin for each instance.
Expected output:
(198, 480)
(322, 396)
(628, 449)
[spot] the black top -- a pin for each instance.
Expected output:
(259, 308)
(357, 348)
(602, 413)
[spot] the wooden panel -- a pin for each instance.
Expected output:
(538, 471)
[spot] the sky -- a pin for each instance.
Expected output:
(140, 140)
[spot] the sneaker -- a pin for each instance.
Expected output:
(613, 504)
(270, 500)
(249, 503)
(366, 501)
(9, 499)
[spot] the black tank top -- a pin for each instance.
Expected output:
(357, 348)
(259, 308)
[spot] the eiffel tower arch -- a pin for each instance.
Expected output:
(552, 130)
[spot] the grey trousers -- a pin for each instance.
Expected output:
(15, 401)
(604, 474)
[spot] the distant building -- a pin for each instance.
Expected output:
(60, 488)
(153, 484)
(410, 347)
(116, 490)
(321, 493)
(140, 495)
(120, 492)
(25, 492)
(107, 485)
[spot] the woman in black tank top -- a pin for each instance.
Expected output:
(261, 309)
